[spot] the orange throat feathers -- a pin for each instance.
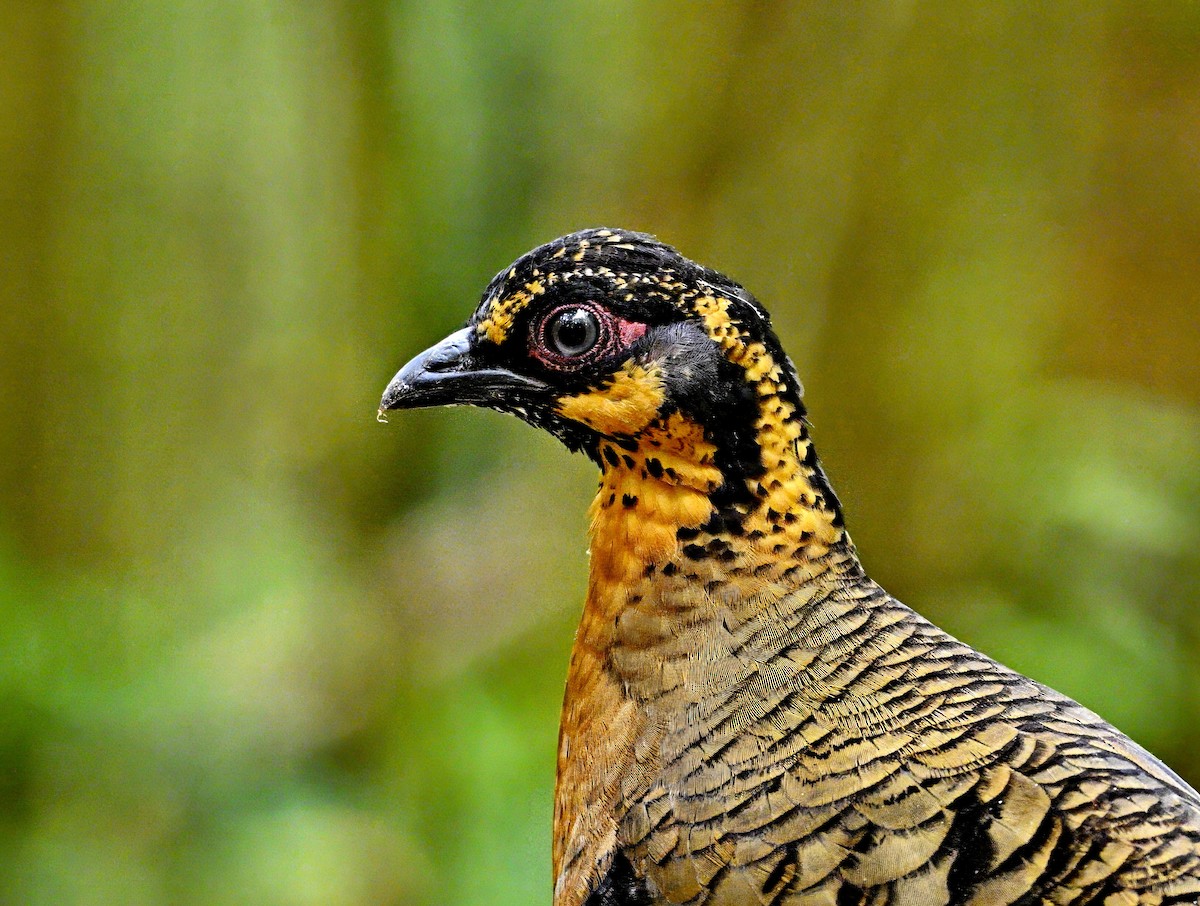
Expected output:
(666, 509)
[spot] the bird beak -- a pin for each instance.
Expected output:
(447, 374)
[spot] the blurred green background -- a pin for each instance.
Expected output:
(256, 648)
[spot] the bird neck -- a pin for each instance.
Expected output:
(681, 551)
(677, 526)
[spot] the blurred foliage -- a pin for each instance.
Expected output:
(257, 649)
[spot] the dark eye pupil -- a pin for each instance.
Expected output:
(574, 332)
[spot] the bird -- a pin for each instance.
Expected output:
(750, 719)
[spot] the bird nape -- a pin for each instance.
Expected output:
(749, 719)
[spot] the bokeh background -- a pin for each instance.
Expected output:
(256, 648)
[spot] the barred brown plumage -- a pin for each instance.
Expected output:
(749, 718)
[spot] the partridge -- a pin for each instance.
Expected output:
(749, 719)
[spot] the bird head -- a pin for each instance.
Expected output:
(646, 361)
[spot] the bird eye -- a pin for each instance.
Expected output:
(572, 332)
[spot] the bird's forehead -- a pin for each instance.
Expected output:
(635, 273)
(613, 264)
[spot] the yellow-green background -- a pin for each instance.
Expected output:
(256, 648)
